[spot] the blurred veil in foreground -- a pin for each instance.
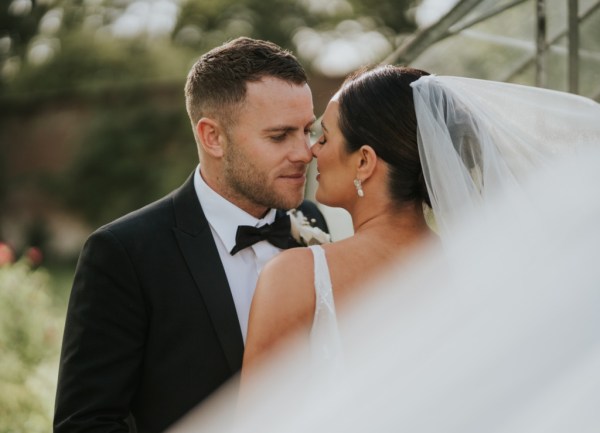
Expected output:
(498, 331)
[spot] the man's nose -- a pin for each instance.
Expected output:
(302, 151)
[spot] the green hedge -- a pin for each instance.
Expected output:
(30, 336)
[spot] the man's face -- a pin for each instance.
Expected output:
(268, 148)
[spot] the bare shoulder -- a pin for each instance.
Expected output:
(291, 265)
(285, 283)
(282, 304)
(282, 307)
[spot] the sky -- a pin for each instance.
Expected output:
(431, 10)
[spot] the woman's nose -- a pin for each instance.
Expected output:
(315, 148)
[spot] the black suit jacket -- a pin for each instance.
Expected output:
(151, 327)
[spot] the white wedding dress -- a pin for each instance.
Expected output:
(325, 341)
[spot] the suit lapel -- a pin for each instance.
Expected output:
(311, 212)
(291, 242)
(200, 252)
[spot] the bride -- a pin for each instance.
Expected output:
(397, 140)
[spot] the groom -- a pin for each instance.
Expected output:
(157, 316)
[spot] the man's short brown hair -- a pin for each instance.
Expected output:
(216, 84)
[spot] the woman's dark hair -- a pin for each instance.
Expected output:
(376, 107)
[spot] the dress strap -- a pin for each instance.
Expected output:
(323, 288)
(325, 336)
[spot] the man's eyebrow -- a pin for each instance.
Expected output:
(281, 128)
(287, 128)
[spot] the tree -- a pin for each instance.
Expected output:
(133, 154)
(204, 24)
(111, 56)
(83, 40)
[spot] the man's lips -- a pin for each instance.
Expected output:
(298, 175)
(299, 178)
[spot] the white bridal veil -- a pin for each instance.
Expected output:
(499, 330)
(478, 139)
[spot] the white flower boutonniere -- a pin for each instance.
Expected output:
(303, 230)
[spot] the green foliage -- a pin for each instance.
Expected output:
(83, 52)
(388, 13)
(84, 64)
(29, 342)
(74, 66)
(3, 176)
(204, 24)
(136, 150)
(21, 26)
(131, 155)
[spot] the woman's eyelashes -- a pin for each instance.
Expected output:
(322, 139)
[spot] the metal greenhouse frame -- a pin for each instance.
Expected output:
(564, 40)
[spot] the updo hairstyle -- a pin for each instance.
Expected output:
(376, 108)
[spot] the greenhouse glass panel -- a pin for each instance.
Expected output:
(497, 40)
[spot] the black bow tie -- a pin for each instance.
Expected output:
(277, 233)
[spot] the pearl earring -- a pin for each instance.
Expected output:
(358, 185)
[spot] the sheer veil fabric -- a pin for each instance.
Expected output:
(498, 329)
(478, 138)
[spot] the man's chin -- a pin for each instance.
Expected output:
(291, 201)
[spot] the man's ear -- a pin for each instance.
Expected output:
(211, 137)
(366, 162)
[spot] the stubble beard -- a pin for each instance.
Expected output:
(248, 183)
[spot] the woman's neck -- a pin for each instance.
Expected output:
(381, 236)
(407, 218)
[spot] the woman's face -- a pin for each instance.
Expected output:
(335, 170)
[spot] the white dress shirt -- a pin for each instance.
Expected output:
(243, 268)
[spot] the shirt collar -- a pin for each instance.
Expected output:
(222, 215)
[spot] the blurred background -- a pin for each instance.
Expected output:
(93, 123)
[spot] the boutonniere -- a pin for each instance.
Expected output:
(304, 232)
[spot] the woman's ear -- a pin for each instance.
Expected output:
(210, 135)
(366, 162)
